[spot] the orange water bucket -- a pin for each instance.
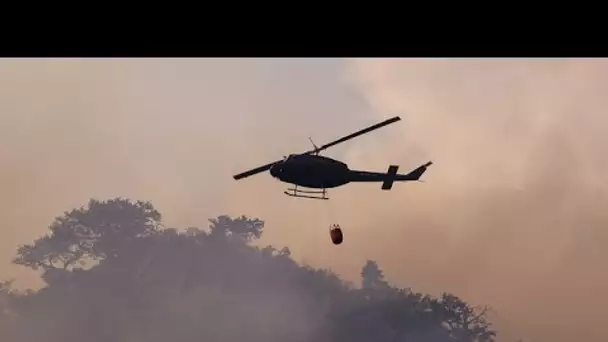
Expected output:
(335, 232)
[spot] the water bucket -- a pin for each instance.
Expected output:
(335, 232)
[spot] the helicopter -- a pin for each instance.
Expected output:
(316, 173)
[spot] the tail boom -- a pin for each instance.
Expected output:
(390, 176)
(415, 174)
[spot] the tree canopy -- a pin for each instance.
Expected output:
(113, 272)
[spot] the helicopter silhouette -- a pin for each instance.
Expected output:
(313, 171)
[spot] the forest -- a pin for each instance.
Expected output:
(114, 272)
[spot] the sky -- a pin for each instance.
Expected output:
(510, 213)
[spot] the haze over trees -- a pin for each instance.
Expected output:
(113, 272)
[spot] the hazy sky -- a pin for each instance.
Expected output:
(510, 214)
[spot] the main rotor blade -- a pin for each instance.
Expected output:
(254, 171)
(356, 134)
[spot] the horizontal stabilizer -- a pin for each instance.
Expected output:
(390, 177)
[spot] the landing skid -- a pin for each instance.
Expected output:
(295, 192)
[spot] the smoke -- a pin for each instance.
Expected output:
(510, 214)
(171, 131)
(512, 211)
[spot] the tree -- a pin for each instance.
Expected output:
(241, 228)
(155, 284)
(372, 276)
(8, 317)
(5, 298)
(100, 231)
(464, 322)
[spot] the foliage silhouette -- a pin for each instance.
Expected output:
(114, 273)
